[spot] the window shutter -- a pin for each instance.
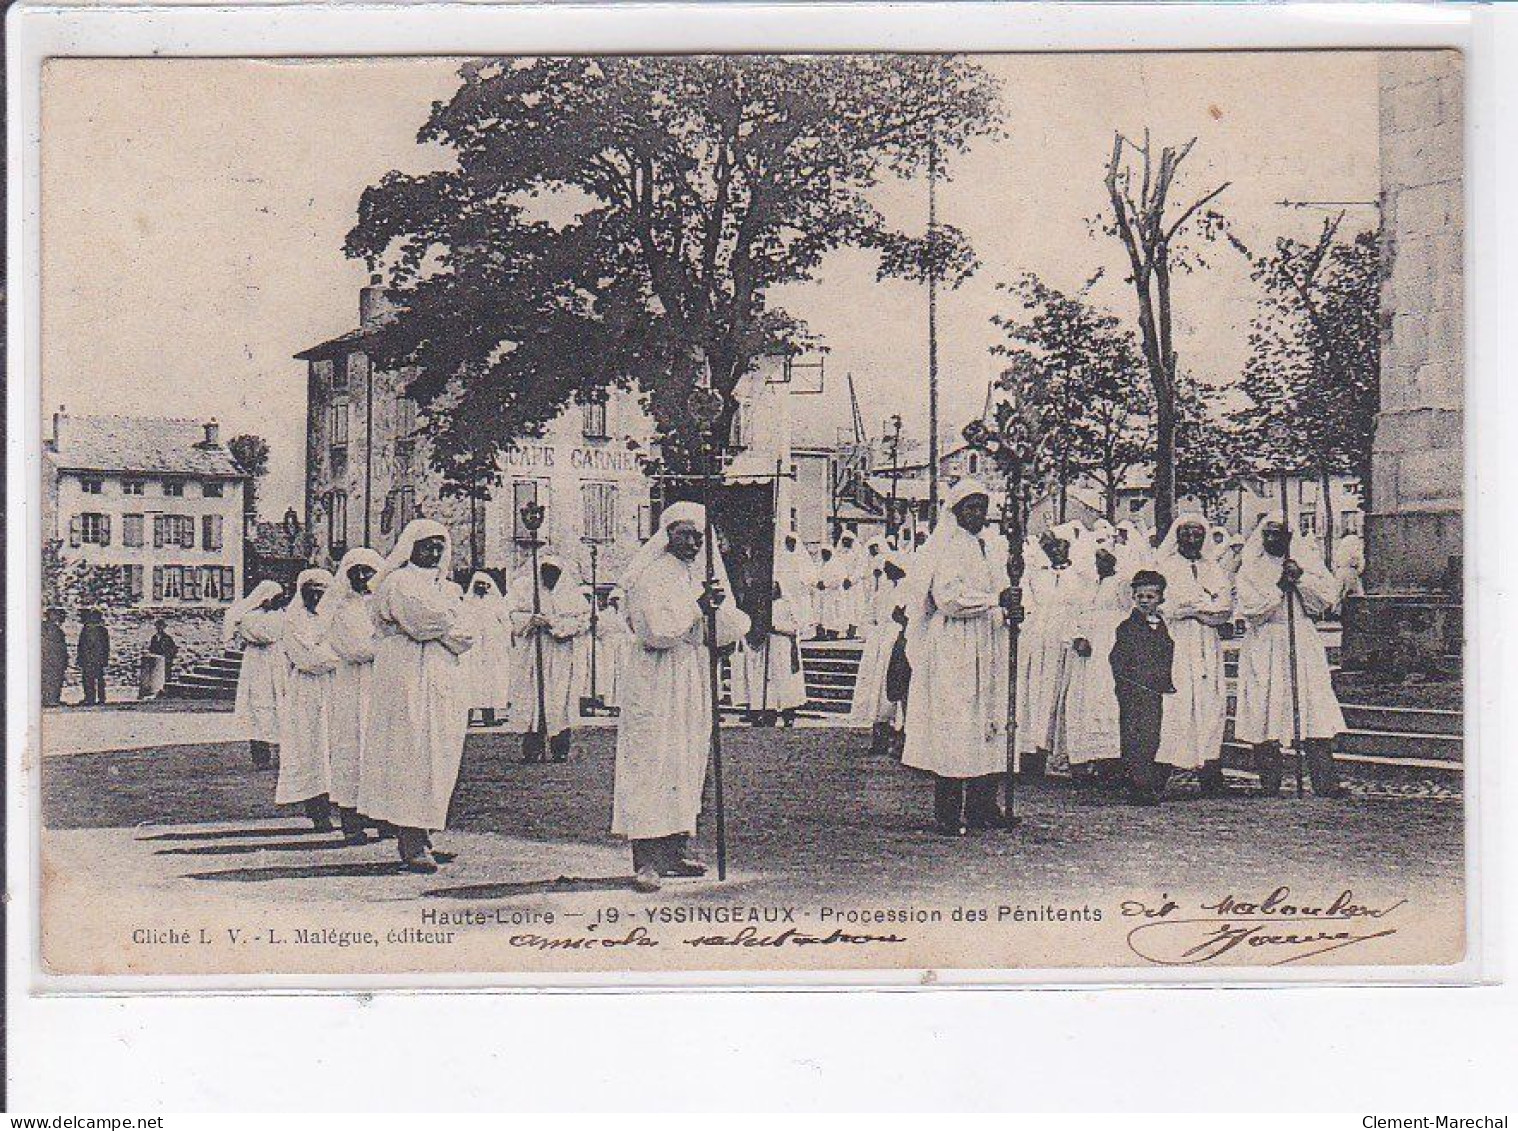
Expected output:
(158, 583)
(218, 530)
(76, 530)
(105, 530)
(191, 583)
(228, 582)
(158, 521)
(187, 533)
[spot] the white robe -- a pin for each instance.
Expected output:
(564, 676)
(957, 711)
(834, 602)
(870, 703)
(352, 638)
(305, 726)
(1054, 599)
(1088, 728)
(487, 667)
(612, 639)
(261, 679)
(1198, 598)
(664, 733)
(417, 723)
(1264, 700)
(797, 574)
(771, 673)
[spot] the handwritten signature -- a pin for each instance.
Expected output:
(750, 936)
(1280, 929)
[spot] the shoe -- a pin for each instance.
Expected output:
(647, 880)
(683, 869)
(422, 862)
(322, 824)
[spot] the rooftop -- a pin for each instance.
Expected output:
(140, 444)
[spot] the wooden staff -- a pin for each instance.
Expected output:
(711, 658)
(1012, 529)
(532, 518)
(1291, 652)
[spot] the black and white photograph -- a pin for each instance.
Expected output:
(780, 515)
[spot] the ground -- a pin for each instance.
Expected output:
(812, 812)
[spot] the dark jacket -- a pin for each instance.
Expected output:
(94, 647)
(1142, 657)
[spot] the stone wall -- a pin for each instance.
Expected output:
(1414, 529)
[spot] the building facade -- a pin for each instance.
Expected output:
(1411, 616)
(369, 473)
(158, 502)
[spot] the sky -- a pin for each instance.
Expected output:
(193, 213)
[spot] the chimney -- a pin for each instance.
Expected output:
(374, 305)
(213, 434)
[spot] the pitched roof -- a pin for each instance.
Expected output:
(145, 444)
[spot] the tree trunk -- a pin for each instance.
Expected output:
(1164, 465)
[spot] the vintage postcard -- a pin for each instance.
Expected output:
(775, 515)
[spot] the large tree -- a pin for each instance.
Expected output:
(1153, 229)
(1079, 368)
(251, 455)
(621, 222)
(1313, 375)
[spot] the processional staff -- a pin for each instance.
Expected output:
(532, 515)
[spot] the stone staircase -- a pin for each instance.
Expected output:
(830, 668)
(215, 678)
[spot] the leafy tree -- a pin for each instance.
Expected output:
(74, 584)
(251, 455)
(1209, 450)
(1313, 376)
(621, 221)
(1080, 369)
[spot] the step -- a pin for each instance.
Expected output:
(828, 707)
(1402, 744)
(178, 690)
(1405, 720)
(830, 679)
(840, 666)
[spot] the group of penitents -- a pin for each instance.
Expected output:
(367, 684)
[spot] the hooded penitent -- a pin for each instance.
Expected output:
(957, 644)
(665, 726)
(1198, 599)
(349, 616)
(1264, 699)
(568, 614)
(417, 720)
(305, 723)
(261, 677)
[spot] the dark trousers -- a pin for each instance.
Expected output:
(412, 842)
(1319, 756)
(262, 752)
(94, 685)
(967, 802)
(660, 852)
(1139, 714)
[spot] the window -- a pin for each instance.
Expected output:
(339, 371)
(974, 463)
(168, 582)
(228, 583)
(595, 419)
(217, 583)
(212, 489)
(358, 368)
(1135, 505)
(321, 375)
(134, 487)
(337, 521)
(600, 510)
(1307, 520)
(174, 530)
(211, 531)
(338, 423)
(92, 486)
(191, 583)
(90, 529)
(173, 488)
(134, 582)
(523, 491)
(1350, 521)
(132, 530)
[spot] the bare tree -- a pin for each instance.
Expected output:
(1150, 228)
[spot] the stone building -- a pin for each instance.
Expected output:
(1411, 616)
(142, 517)
(368, 472)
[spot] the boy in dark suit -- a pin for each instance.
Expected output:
(1141, 660)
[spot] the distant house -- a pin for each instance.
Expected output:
(277, 551)
(157, 499)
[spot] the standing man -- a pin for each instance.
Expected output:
(415, 737)
(1058, 592)
(94, 653)
(1089, 736)
(348, 610)
(664, 734)
(487, 667)
(563, 617)
(1269, 576)
(256, 623)
(158, 666)
(305, 719)
(798, 576)
(1198, 608)
(55, 657)
(1140, 660)
(957, 645)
